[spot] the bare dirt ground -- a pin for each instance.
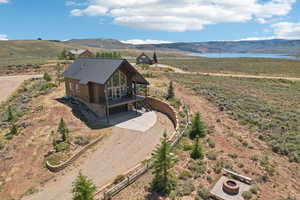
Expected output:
(10, 83)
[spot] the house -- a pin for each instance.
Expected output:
(79, 53)
(144, 59)
(106, 85)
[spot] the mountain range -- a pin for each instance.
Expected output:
(275, 46)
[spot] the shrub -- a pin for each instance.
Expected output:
(119, 178)
(173, 195)
(184, 175)
(187, 147)
(12, 132)
(254, 189)
(47, 85)
(62, 146)
(211, 155)
(209, 179)
(81, 140)
(254, 157)
(233, 155)
(47, 77)
(185, 189)
(240, 165)
(203, 192)
(211, 143)
(247, 195)
(219, 166)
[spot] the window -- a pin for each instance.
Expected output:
(71, 86)
(117, 86)
(77, 88)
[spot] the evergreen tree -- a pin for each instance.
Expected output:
(163, 181)
(98, 55)
(63, 131)
(10, 116)
(198, 128)
(63, 55)
(155, 57)
(197, 151)
(47, 77)
(83, 188)
(171, 94)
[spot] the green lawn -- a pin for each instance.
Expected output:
(253, 66)
(270, 107)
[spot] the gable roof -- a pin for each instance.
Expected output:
(99, 70)
(77, 51)
(143, 54)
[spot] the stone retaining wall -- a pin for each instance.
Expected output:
(56, 168)
(163, 107)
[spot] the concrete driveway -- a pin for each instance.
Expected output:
(116, 154)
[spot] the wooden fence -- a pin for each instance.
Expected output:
(145, 167)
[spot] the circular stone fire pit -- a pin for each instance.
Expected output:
(231, 187)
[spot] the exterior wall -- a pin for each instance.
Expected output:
(75, 89)
(144, 59)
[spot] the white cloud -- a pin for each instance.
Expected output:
(3, 37)
(183, 15)
(3, 1)
(92, 10)
(257, 38)
(287, 30)
(138, 41)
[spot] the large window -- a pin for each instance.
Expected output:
(116, 87)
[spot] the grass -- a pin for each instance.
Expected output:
(270, 107)
(252, 66)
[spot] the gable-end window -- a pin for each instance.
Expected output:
(117, 86)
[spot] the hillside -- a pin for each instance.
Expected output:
(23, 52)
(276, 46)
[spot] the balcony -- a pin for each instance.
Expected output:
(125, 100)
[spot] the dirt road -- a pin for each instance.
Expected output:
(10, 83)
(177, 70)
(116, 154)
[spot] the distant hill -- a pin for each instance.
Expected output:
(276, 46)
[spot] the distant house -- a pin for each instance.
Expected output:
(79, 53)
(144, 59)
(109, 86)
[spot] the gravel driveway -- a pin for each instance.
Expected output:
(116, 154)
(10, 83)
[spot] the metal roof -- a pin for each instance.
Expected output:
(98, 70)
(77, 51)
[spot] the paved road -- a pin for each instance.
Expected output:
(9, 84)
(118, 153)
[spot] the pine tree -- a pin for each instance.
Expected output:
(98, 55)
(47, 77)
(155, 57)
(171, 94)
(63, 131)
(83, 188)
(10, 116)
(198, 128)
(163, 181)
(197, 151)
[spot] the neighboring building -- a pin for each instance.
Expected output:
(144, 59)
(109, 86)
(79, 53)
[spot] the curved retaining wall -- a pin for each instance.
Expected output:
(56, 168)
(163, 107)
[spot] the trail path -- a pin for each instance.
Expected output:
(9, 84)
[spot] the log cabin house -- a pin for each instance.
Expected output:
(144, 59)
(79, 53)
(108, 86)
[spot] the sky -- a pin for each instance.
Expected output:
(150, 21)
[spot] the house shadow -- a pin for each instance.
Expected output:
(82, 112)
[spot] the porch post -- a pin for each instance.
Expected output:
(106, 106)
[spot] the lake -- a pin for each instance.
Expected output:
(242, 55)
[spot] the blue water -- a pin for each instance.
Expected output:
(242, 55)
